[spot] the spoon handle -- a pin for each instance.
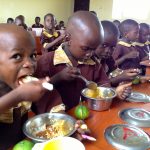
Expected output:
(84, 79)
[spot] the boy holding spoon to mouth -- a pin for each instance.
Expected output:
(17, 61)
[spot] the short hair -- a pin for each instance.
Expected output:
(61, 21)
(144, 26)
(49, 14)
(10, 19)
(117, 21)
(126, 26)
(93, 12)
(38, 18)
(110, 28)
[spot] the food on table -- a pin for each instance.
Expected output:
(136, 80)
(23, 145)
(93, 93)
(81, 112)
(98, 94)
(56, 128)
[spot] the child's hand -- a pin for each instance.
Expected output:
(61, 37)
(132, 54)
(123, 90)
(129, 74)
(69, 73)
(31, 91)
(82, 129)
(144, 79)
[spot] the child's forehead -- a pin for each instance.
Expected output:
(12, 34)
(49, 16)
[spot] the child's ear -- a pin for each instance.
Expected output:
(67, 37)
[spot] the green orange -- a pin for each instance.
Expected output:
(136, 80)
(23, 145)
(81, 112)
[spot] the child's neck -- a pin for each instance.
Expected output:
(73, 60)
(51, 31)
(126, 40)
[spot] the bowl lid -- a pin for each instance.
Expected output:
(124, 136)
(136, 116)
(138, 97)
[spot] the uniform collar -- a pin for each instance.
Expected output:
(124, 44)
(60, 57)
(46, 33)
(138, 44)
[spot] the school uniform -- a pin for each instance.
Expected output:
(122, 49)
(108, 64)
(70, 91)
(143, 49)
(11, 121)
(46, 38)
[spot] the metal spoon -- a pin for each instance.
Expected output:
(90, 84)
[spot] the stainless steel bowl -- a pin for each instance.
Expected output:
(35, 124)
(102, 103)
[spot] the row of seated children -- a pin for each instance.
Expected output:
(18, 56)
(50, 37)
(131, 49)
(20, 20)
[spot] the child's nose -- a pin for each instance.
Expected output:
(28, 63)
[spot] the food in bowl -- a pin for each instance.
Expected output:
(54, 129)
(101, 100)
(48, 126)
(98, 93)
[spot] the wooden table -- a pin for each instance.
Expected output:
(147, 70)
(99, 121)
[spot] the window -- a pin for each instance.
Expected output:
(136, 9)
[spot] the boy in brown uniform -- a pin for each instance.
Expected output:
(104, 54)
(141, 44)
(126, 56)
(17, 60)
(50, 38)
(84, 34)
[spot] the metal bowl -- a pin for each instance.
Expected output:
(115, 73)
(38, 123)
(101, 103)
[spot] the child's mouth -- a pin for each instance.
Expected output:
(26, 79)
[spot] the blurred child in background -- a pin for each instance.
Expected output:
(50, 38)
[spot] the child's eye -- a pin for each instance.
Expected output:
(104, 45)
(33, 56)
(17, 56)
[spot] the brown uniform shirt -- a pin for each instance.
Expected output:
(48, 38)
(122, 49)
(70, 91)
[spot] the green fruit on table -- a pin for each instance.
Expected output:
(81, 112)
(23, 145)
(136, 80)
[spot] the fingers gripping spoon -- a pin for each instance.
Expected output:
(45, 85)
